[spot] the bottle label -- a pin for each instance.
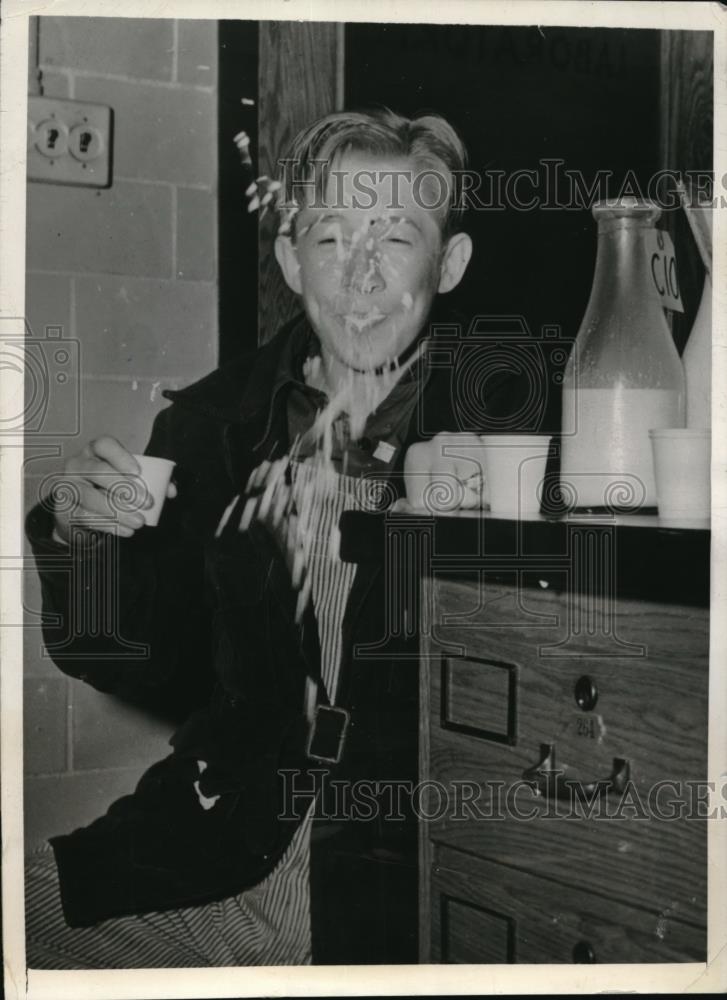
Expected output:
(663, 268)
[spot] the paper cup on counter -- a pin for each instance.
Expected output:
(156, 473)
(515, 470)
(682, 458)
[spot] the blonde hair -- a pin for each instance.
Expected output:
(428, 139)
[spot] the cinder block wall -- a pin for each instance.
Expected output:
(131, 274)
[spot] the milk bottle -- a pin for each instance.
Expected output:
(624, 376)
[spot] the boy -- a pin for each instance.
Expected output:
(247, 613)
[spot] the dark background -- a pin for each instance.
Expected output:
(518, 96)
(237, 228)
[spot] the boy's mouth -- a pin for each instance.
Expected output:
(361, 321)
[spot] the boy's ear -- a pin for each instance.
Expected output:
(287, 258)
(455, 258)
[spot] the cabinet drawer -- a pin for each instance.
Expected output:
(497, 695)
(505, 668)
(483, 912)
(615, 849)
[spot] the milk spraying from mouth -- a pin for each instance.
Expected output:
(611, 443)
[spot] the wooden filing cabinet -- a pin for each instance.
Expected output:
(563, 762)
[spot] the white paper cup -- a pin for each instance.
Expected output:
(156, 473)
(514, 470)
(682, 457)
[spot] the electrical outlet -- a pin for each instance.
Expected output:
(69, 142)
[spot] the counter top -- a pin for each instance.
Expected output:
(635, 556)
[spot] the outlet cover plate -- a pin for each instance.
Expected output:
(60, 166)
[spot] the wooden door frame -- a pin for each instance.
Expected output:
(687, 75)
(300, 78)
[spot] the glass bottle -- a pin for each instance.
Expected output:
(697, 360)
(624, 376)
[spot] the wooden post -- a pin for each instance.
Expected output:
(300, 78)
(687, 70)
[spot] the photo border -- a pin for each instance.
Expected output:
(316, 980)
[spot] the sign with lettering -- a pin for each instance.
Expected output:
(663, 268)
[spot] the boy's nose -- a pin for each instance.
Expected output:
(362, 272)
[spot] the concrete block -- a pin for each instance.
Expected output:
(37, 664)
(44, 725)
(160, 133)
(125, 229)
(196, 235)
(39, 356)
(125, 46)
(58, 804)
(147, 327)
(56, 83)
(39, 463)
(108, 733)
(125, 409)
(197, 53)
(36, 479)
(48, 303)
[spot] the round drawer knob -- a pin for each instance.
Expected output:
(583, 953)
(586, 693)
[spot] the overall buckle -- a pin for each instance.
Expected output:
(327, 734)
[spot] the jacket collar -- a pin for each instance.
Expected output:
(281, 366)
(247, 389)
(245, 393)
(244, 390)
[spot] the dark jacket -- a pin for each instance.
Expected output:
(174, 616)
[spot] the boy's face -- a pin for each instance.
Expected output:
(368, 265)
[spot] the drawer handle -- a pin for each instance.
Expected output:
(546, 779)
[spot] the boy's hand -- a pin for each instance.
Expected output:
(445, 473)
(104, 491)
